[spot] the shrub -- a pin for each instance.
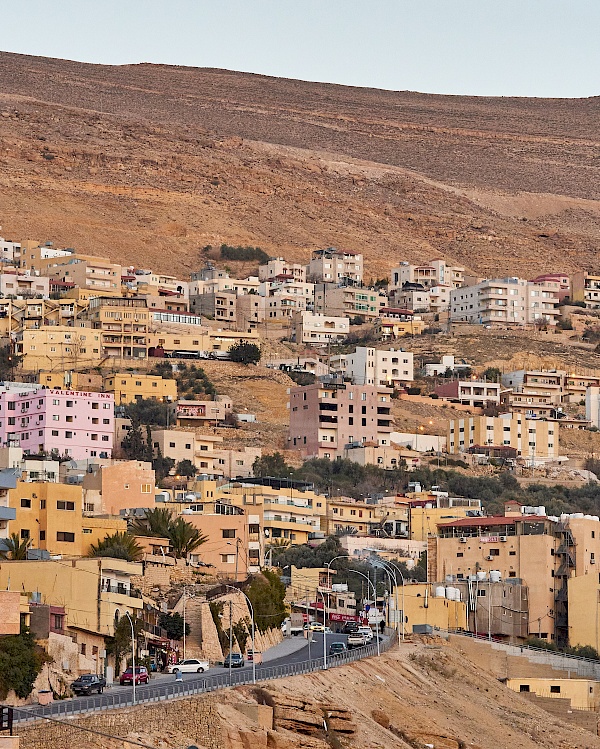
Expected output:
(20, 663)
(244, 253)
(245, 353)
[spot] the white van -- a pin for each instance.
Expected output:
(367, 632)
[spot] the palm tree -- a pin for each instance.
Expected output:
(15, 547)
(185, 538)
(156, 523)
(118, 546)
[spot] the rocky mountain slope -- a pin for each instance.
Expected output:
(162, 160)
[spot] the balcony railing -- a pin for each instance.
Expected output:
(121, 590)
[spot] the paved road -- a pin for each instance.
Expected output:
(163, 686)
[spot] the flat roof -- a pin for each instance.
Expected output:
(493, 520)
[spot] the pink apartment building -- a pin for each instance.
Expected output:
(326, 417)
(74, 423)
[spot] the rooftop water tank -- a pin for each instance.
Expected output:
(440, 592)
(495, 576)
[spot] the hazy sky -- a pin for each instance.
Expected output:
(485, 47)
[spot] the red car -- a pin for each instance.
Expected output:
(141, 676)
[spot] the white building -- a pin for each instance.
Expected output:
(24, 285)
(335, 266)
(592, 406)
(9, 251)
(279, 269)
(311, 328)
(433, 273)
(506, 301)
(371, 366)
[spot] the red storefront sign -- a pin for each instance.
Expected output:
(343, 618)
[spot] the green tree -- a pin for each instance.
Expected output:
(493, 374)
(173, 624)
(20, 663)
(273, 465)
(9, 361)
(156, 523)
(147, 411)
(120, 645)
(185, 538)
(267, 595)
(16, 548)
(118, 546)
(186, 468)
(162, 466)
(245, 353)
(137, 443)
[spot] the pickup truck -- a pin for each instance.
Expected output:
(88, 683)
(356, 640)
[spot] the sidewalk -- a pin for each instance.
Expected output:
(287, 646)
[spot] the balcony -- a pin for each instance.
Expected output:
(324, 419)
(121, 590)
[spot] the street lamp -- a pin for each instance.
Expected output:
(328, 565)
(237, 590)
(356, 572)
(395, 568)
(185, 597)
(133, 652)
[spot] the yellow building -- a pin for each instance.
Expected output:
(422, 608)
(583, 693)
(128, 387)
(58, 347)
(394, 323)
(95, 274)
(345, 514)
(123, 325)
(584, 610)
(179, 444)
(49, 514)
(532, 439)
(95, 529)
(95, 592)
(69, 380)
(291, 511)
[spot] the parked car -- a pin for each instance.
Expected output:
(88, 683)
(141, 675)
(356, 640)
(367, 632)
(337, 648)
(235, 660)
(189, 666)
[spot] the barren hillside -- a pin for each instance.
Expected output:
(155, 162)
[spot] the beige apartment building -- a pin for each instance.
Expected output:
(128, 387)
(387, 367)
(506, 301)
(586, 288)
(326, 417)
(179, 445)
(547, 554)
(95, 274)
(350, 301)
(535, 441)
(316, 329)
(59, 347)
(123, 325)
(23, 284)
(476, 393)
(397, 323)
(433, 273)
(335, 266)
(565, 387)
(278, 268)
(124, 485)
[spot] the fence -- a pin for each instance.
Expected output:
(198, 685)
(583, 667)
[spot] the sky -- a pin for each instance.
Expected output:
(476, 47)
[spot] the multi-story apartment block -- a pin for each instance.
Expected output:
(396, 323)
(190, 413)
(236, 463)
(313, 328)
(586, 288)
(220, 305)
(547, 554)
(95, 274)
(109, 489)
(477, 393)
(279, 269)
(412, 296)
(539, 404)
(370, 366)
(23, 285)
(73, 423)
(34, 256)
(335, 266)
(534, 440)
(564, 387)
(123, 325)
(561, 281)
(506, 301)
(59, 347)
(180, 445)
(592, 406)
(327, 416)
(10, 252)
(434, 273)
(350, 301)
(127, 387)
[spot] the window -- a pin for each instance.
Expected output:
(106, 421)
(69, 404)
(95, 406)
(171, 444)
(68, 435)
(146, 488)
(55, 432)
(25, 503)
(554, 689)
(228, 533)
(42, 504)
(105, 438)
(42, 535)
(523, 687)
(57, 621)
(227, 558)
(62, 505)
(25, 533)
(65, 536)
(83, 648)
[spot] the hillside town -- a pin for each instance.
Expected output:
(128, 499)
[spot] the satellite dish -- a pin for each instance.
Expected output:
(267, 533)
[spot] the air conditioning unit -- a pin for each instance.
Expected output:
(489, 559)
(504, 538)
(592, 561)
(463, 539)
